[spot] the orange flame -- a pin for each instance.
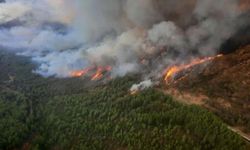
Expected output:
(99, 73)
(172, 71)
(80, 73)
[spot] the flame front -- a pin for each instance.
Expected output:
(99, 72)
(80, 73)
(98, 75)
(172, 71)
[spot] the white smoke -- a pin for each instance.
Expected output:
(141, 86)
(167, 34)
(63, 36)
(11, 11)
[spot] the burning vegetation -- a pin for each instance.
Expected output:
(221, 87)
(94, 73)
(172, 71)
(45, 112)
(153, 39)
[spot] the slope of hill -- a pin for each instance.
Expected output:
(222, 86)
(49, 113)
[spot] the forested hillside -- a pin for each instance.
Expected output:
(50, 113)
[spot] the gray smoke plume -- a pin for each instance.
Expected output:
(129, 35)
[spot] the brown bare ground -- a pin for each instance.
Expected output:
(221, 86)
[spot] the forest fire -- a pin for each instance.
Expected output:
(172, 71)
(80, 73)
(95, 73)
(100, 72)
(98, 75)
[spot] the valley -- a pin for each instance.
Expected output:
(70, 113)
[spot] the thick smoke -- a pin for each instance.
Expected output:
(130, 35)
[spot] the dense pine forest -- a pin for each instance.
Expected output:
(72, 113)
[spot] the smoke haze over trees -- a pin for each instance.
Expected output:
(63, 36)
